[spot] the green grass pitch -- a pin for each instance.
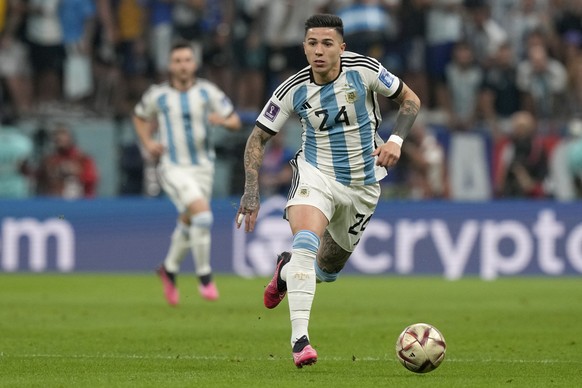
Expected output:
(103, 330)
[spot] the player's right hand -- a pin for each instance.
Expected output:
(249, 210)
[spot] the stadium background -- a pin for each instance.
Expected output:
(471, 230)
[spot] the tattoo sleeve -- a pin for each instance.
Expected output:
(253, 159)
(331, 257)
(409, 107)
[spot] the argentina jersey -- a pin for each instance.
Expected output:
(339, 119)
(183, 126)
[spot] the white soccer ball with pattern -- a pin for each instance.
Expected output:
(421, 348)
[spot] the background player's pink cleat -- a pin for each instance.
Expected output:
(209, 291)
(276, 289)
(303, 353)
(170, 291)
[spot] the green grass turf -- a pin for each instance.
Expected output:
(117, 331)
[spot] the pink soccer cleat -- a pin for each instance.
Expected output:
(169, 281)
(276, 289)
(209, 291)
(303, 353)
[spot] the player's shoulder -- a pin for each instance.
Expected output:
(352, 60)
(157, 89)
(204, 83)
(301, 77)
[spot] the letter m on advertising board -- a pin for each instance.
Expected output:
(38, 234)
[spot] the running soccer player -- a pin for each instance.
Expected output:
(184, 110)
(335, 186)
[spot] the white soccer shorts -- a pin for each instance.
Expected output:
(348, 208)
(186, 184)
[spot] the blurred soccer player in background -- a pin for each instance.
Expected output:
(335, 186)
(184, 111)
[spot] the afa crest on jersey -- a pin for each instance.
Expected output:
(351, 94)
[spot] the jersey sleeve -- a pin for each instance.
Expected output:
(274, 114)
(385, 83)
(146, 108)
(219, 101)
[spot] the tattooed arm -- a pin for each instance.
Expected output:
(389, 153)
(253, 159)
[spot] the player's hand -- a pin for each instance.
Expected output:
(248, 211)
(155, 149)
(388, 154)
(215, 119)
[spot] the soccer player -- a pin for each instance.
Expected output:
(335, 186)
(184, 110)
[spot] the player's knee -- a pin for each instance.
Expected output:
(202, 220)
(306, 239)
(324, 276)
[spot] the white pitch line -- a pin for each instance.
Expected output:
(240, 358)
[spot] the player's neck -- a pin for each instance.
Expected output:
(183, 85)
(327, 77)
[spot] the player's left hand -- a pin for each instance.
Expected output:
(388, 154)
(215, 119)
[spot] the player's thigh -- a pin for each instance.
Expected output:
(352, 215)
(186, 185)
(310, 190)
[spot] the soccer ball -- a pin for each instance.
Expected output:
(421, 348)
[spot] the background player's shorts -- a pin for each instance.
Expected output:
(186, 184)
(348, 208)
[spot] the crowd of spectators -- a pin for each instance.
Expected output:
(479, 66)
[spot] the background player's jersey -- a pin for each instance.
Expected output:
(183, 126)
(340, 119)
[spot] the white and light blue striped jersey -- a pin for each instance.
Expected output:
(340, 119)
(183, 126)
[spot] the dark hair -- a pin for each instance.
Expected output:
(181, 44)
(325, 20)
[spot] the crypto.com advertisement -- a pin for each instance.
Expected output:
(448, 239)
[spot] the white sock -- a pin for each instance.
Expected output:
(300, 277)
(178, 248)
(200, 242)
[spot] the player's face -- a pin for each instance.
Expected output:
(182, 65)
(323, 47)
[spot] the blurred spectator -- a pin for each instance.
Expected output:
(367, 26)
(131, 54)
(276, 173)
(568, 22)
(482, 33)
(543, 81)
(188, 22)
(522, 18)
(574, 97)
(160, 34)
(47, 53)
(77, 19)
(249, 57)
(67, 172)
(444, 28)
(15, 72)
(217, 56)
(523, 160)
(464, 79)
(15, 151)
(574, 156)
(500, 97)
(282, 25)
(132, 170)
(424, 164)
(412, 19)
